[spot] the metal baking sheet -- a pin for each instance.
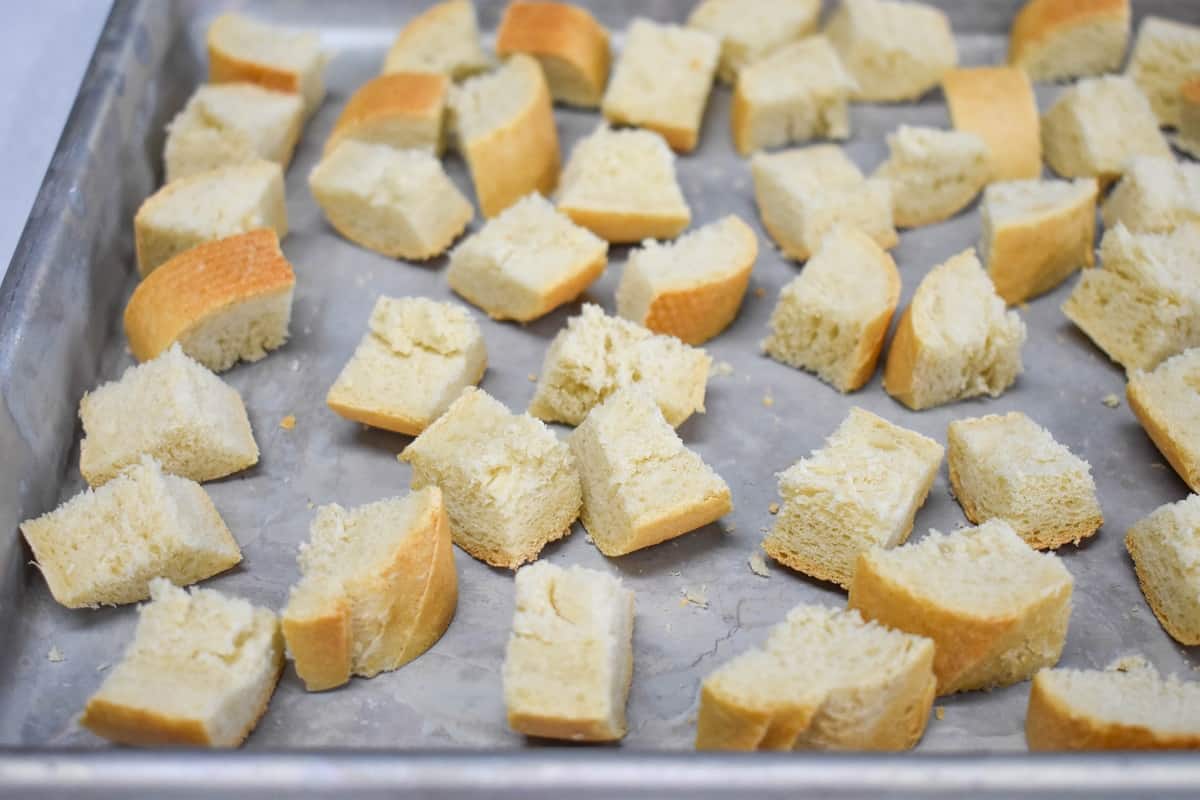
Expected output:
(60, 335)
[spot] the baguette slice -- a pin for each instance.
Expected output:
(749, 30)
(1167, 403)
(1058, 39)
(1165, 547)
(1188, 138)
(567, 41)
(403, 110)
(934, 174)
(443, 39)
(243, 49)
(1156, 195)
(997, 105)
(1164, 56)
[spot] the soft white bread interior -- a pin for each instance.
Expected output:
(1058, 39)
(567, 41)
(1164, 56)
(997, 104)
(1156, 195)
(443, 39)
(1167, 403)
(933, 173)
(243, 49)
(1165, 547)
(404, 110)
(752, 29)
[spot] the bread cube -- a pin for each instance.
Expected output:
(1188, 138)
(861, 490)
(243, 49)
(1058, 39)
(934, 174)
(443, 39)
(1167, 402)
(1162, 546)
(752, 29)
(567, 41)
(1164, 56)
(403, 110)
(527, 261)
(997, 105)
(996, 609)
(413, 362)
(1156, 195)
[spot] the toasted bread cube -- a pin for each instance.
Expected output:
(403, 110)
(1167, 402)
(243, 49)
(752, 29)
(1164, 56)
(1057, 39)
(1188, 138)
(444, 40)
(934, 174)
(1165, 547)
(1156, 195)
(997, 104)
(567, 41)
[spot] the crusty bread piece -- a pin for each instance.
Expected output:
(803, 193)
(569, 660)
(232, 123)
(527, 261)
(1165, 547)
(861, 490)
(1167, 403)
(597, 354)
(403, 110)
(795, 94)
(222, 301)
(399, 203)
(443, 39)
(1156, 195)
(621, 185)
(997, 105)
(200, 671)
(505, 126)
(377, 589)
(955, 340)
(934, 174)
(567, 41)
(1057, 39)
(1188, 138)
(1165, 55)
(510, 485)
(894, 50)
(208, 205)
(662, 81)
(1036, 234)
(1008, 467)
(691, 288)
(752, 29)
(832, 317)
(825, 680)
(1134, 709)
(413, 362)
(996, 609)
(243, 49)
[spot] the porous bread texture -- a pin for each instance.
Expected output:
(377, 589)
(1165, 547)
(621, 185)
(243, 49)
(1059, 39)
(1164, 56)
(206, 206)
(567, 41)
(1143, 305)
(662, 81)
(895, 51)
(527, 261)
(232, 123)
(1167, 403)
(824, 680)
(1156, 195)
(443, 39)
(996, 609)
(933, 173)
(1036, 234)
(172, 409)
(861, 490)
(597, 354)
(749, 30)
(569, 660)
(804, 193)
(403, 110)
(955, 340)
(1008, 467)
(1188, 137)
(104, 546)
(795, 94)
(691, 288)
(413, 362)
(510, 486)
(200, 671)
(832, 318)
(997, 104)
(641, 485)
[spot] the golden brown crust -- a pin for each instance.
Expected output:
(1039, 20)
(1159, 431)
(739, 121)
(398, 95)
(565, 291)
(667, 525)
(573, 729)
(567, 33)
(901, 364)
(385, 419)
(681, 140)
(226, 67)
(503, 558)
(1150, 591)
(997, 104)
(320, 646)
(814, 569)
(1190, 91)
(870, 343)
(624, 227)
(439, 600)
(724, 724)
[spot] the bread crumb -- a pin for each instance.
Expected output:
(55, 655)
(1130, 663)
(940, 711)
(102, 667)
(588, 537)
(758, 565)
(760, 292)
(731, 527)
(723, 369)
(1157, 465)
(768, 400)
(773, 508)
(310, 505)
(288, 422)
(694, 596)
(532, 377)
(295, 365)
(1111, 400)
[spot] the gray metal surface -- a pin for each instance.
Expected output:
(60, 335)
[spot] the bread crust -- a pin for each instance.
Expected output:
(1040, 20)
(566, 33)
(665, 525)
(226, 67)
(898, 372)
(725, 724)
(1151, 592)
(552, 296)
(389, 420)
(997, 104)
(320, 646)
(416, 96)
(1159, 432)
(870, 343)
(628, 227)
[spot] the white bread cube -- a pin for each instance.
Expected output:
(691, 288)
(934, 174)
(641, 485)
(399, 203)
(752, 29)
(443, 39)
(509, 484)
(200, 671)
(569, 660)
(795, 94)
(955, 340)
(1036, 234)
(206, 206)
(662, 81)
(1156, 195)
(527, 261)
(1188, 138)
(996, 608)
(803, 193)
(232, 123)
(861, 490)
(1165, 547)
(104, 546)
(832, 318)
(894, 50)
(243, 49)
(1165, 55)
(403, 110)
(567, 41)
(997, 104)
(597, 354)
(172, 409)
(1059, 39)
(621, 185)
(824, 680)
(1167, 403)
(377, 589)
(1008, 467)
(413, 362)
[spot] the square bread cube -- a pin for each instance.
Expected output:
(567, 41)
(597, 354)
(509, 484)
(1008, 467)
(803, 193)
(934, 174)
(442, 40)
(413, 362)
(1156, 195)
(243, 49)
(1167, 403)
(404, 110)
(752, 29)
(861, 490)
(997, 104)
(662, 81)
(1165, 547)
(569, 660)
(1164, 56)
(1058, 39)
(527, 261)
(641, 485)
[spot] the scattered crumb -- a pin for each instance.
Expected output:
(1157, 465)
(723, 369)
(731, 527)
(295, 365)
(695, 596)
(532, 377)
(588, 537)
(773, 508)
(101, 667)
(288, 422)
(760, 292)
(675, 573)
(360, 281)
(1130, 663)
(768, 400)
(310, 505)
(940, 711)
(758, 565)
(1111, 400)
(668, 627)
(692, 720)
(307, 330)
(55, 655)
